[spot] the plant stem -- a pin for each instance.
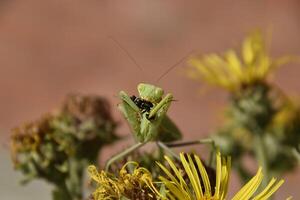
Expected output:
(61, 192)
(75, 180)
(260, 151)
(244, 174)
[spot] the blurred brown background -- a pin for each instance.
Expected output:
(53, 47)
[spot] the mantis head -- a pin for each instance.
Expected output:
(150, 92)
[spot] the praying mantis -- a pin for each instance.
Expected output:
(147, 116)
(148, 120)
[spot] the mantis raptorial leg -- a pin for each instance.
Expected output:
(164, 102)
(166, 146)
(167, 149)
(135, 147)
(123, 96)
(196, 142)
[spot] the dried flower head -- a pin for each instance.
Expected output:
(59, 146)
(29, 136)
(87, 107)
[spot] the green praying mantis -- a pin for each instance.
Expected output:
(148, 120)
(147, 116)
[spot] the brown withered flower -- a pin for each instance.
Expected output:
(59, 146)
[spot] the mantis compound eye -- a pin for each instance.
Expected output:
(159, 93)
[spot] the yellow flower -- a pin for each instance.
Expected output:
(198, 186)
(232, 71)
(107, 187)
(137, 184)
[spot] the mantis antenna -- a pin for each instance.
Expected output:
(173, 66)
(126, 52)
(136, 63)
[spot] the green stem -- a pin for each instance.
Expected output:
(244, 174)
(75, 180)
(123, 154)
(296, 154)
(61, 192)
(212, 153)
(260, 151)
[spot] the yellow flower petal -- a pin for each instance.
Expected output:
(233, 72)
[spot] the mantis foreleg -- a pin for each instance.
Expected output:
(127, 99)
(131, 112)
(165, 102)
(167, 149)
(194, 142)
